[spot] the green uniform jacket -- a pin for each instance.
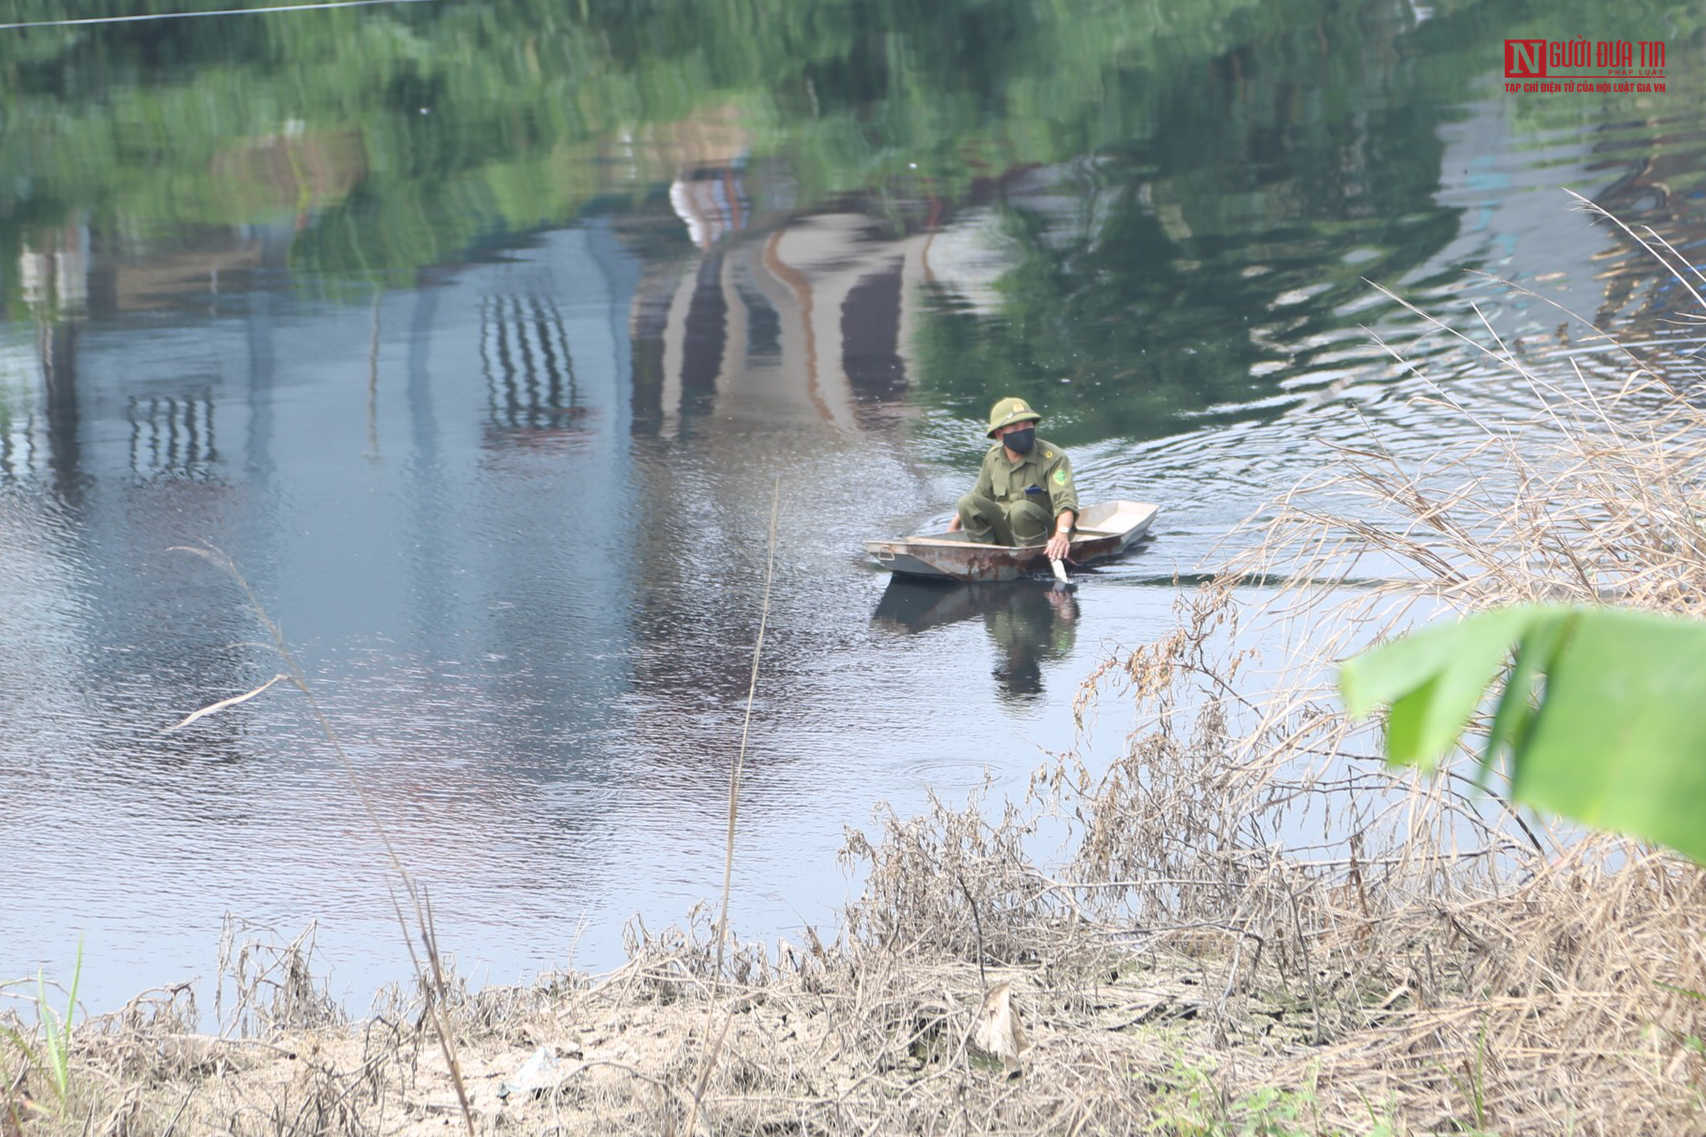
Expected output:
(1043, 476)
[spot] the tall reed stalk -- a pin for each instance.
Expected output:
(735, 768)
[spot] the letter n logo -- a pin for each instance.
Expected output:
(1525, 59)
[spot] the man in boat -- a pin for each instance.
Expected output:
(1024, 493)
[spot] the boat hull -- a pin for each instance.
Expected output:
(1103, 531)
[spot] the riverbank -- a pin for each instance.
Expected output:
(1561, 1006)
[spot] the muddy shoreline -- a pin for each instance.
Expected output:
(1165, 1033)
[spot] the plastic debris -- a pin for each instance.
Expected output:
(539, 1073)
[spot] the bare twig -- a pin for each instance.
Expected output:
(712, 1050)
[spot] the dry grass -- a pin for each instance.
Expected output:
(1258, 928)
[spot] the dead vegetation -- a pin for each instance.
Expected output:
(1257, 928)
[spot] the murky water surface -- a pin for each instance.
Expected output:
(477, 339)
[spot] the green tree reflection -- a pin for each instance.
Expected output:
(1172, 182)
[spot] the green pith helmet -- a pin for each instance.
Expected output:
(1010, 410)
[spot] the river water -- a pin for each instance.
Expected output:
(479, 342)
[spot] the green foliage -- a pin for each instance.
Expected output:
(1471, 1081)
(56, 1030)
(51, 1053)
(1190, 1104)
(1599, 716)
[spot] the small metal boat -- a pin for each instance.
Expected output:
(1103, 531)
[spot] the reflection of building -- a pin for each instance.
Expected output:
(24, 449)
(172, 435)
(546, 473)
(1519, 224)
(360, 465)
(54, 280)
(810, 321)
(712, 202)
(527, 359)
(771, 351)
(238, 421)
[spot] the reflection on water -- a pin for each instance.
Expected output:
(172, 435)
(1029, 622)
(528, 362)
(805, 322)
(484, 375)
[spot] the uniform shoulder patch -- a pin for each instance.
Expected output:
(1060, 477)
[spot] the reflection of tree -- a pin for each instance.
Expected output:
(1645, 148)
(396, 138)
(1665, 191)
(1197, 267)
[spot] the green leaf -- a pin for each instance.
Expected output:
(1535, 655)
(1614, 736)
(1434, 680)
(1620, 741)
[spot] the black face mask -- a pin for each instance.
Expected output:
(1020, 441)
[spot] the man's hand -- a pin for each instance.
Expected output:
(954, 525)
(1059, 544)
